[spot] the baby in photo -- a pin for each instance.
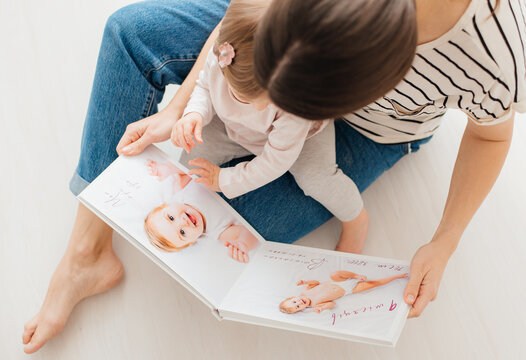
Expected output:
(179, 224)
(321, 296)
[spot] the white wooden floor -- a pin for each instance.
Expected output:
(49, 51)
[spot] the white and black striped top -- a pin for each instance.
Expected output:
(479, 66)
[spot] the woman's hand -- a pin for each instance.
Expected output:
(208, 172)
(185, 129)
(427, 267)
(152, 129)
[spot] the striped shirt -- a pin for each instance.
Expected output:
(478, 66)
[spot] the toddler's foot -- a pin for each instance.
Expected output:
(354, 234)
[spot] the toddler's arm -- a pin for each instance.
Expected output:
(284, 145)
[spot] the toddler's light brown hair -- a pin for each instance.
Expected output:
(238, 28)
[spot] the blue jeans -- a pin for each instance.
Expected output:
(149, 45)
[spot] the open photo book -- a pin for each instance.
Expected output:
(196, 237)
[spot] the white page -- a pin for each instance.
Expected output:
(376, 314)
(126, 193)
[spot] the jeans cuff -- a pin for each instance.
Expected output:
(77, 184)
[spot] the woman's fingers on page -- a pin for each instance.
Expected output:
(421, 302)
(420, 289)
(137, 147)
(133, 132)
(413, 285)
(134, 140)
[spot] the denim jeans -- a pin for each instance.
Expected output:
(147, 46)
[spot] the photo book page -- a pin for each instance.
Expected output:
(202, 242)
(326, 292)
(176, 221)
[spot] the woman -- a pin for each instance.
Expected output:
(148, 45)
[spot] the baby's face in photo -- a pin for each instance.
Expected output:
(181, 224)
(297, 303)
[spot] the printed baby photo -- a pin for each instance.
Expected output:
(352, 294)
(320, 296)
(180, 223)
(186, 226)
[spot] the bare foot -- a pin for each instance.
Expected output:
(82, 272)
(354, 234)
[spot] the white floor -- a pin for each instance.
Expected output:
(47, 65)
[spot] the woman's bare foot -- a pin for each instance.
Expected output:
(88, 267)
(354, 234)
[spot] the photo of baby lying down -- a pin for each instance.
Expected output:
(322, 296)
(174, 226)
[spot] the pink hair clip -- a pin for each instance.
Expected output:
(226, 54)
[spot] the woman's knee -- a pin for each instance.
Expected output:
(123, 22)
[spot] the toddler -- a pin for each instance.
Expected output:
(321, 297)
(175, 226)
(231, 116)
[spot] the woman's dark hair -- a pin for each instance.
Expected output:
(321, 59)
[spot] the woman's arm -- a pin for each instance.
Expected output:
(158, 127)
(480, 159)
(181, 98)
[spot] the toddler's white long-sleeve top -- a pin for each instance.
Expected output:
(274, 136)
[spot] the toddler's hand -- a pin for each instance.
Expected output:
(185, 129)
(208, 172)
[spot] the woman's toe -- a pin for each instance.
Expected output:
(29, 329)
